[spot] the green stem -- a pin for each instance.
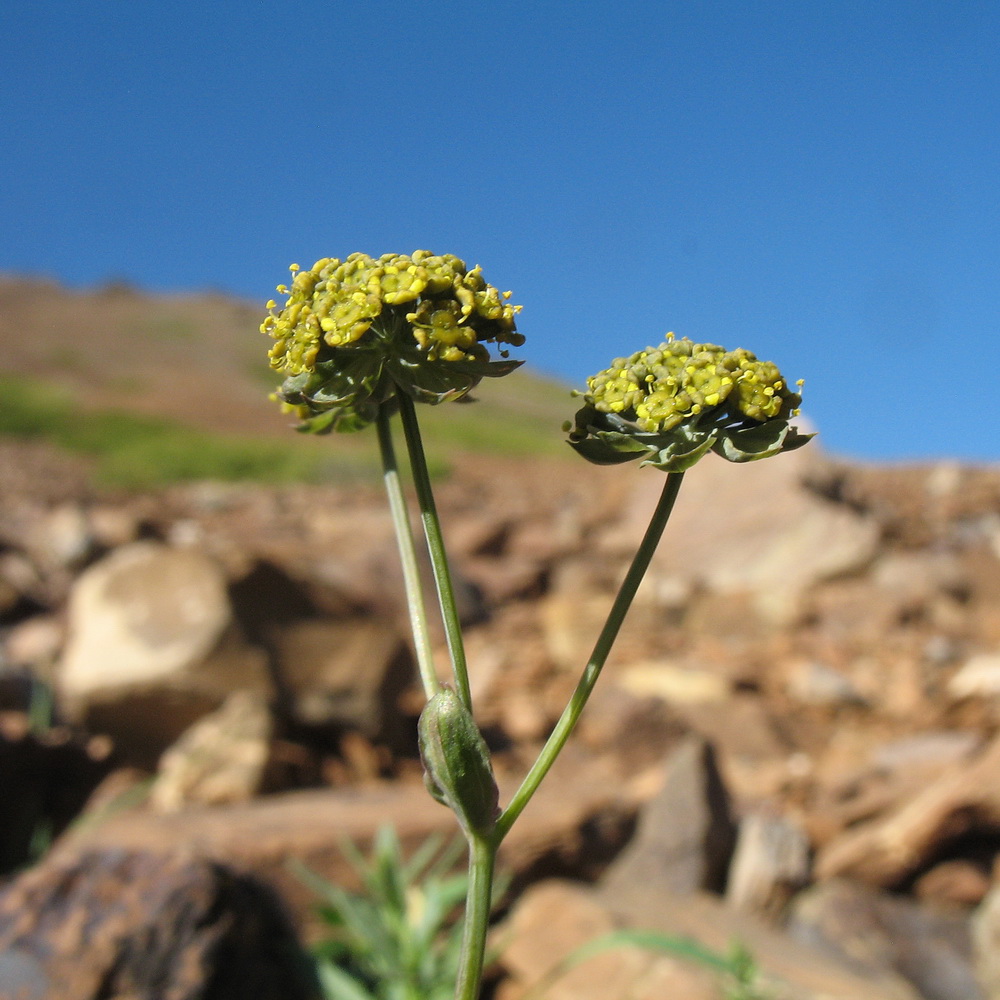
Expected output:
(435, 546)
(605, 640)
(478, 902)
(407, 556)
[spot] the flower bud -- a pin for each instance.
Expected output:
(457, 769)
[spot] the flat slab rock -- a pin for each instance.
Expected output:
(963, 801)
(133, 925)
(310, 826)
(554, 918)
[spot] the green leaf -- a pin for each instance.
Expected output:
(602, 452)
(762, 441)
(338, 985)
(679, 455)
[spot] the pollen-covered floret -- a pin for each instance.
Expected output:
(447, 310)
(658, 388)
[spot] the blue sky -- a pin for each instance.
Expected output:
(816, 181)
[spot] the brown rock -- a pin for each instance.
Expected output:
(557, 830)
(986, 943)
(787, 537)
(152, 646)
(964, 800)
(45, 780)
(345, 674)
(222, 758)
(116, 925)
(743, 728)
(553, 919)
(873, 931)
(770, 864)
(788, 968)
(956, 883)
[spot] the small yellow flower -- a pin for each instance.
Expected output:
(352, 332)
(671, 404)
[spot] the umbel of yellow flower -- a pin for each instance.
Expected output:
(670, 405)
(353, 333)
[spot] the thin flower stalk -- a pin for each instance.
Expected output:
(407, 556)
(612, 626)
(361, 338)
(436, 550)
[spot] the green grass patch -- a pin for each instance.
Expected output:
(138, 451)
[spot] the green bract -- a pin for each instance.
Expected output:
(671, 404)
(353, 333)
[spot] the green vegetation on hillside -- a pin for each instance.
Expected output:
(132, 450)
(136, 451)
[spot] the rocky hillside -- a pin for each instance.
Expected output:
(160, 388)
(793, 747)
(806, 693)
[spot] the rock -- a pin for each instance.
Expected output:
(523, 717)
(741, 730)
(112, 526)
(787, 538)
(21, 586)
(152, 646)
(552, 920)
(813, 683)
(963, 801)
(986, 943)
(685, 835)
(872, 931)
(637, 732)
(770, 864)
(561, 830)
(957, 884)
(855, 782)
(978, 677)
(35, 643)
(221, 759)
(674, 684)
(571, 621)
(120, 924)
(503, 580)
(925, 751)
(345, 675)
(64, 538)
(789, 969)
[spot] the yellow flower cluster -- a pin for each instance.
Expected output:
(449, 311)
(660, 387)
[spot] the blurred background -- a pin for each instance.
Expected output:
(813, 181)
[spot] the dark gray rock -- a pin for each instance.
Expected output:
(686, 834)
(114, 925)
(872, 930)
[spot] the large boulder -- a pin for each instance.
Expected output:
(153, 646)
(553, 919)
(757, 529)
(346, 675)
(114, 925)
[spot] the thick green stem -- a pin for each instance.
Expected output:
(407, 556)
(609, 633)
(482, 858)
(435, 546)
